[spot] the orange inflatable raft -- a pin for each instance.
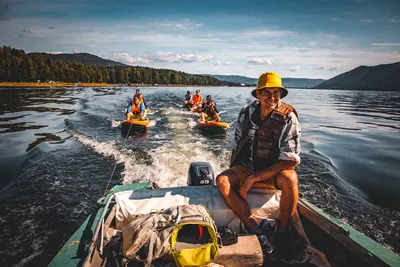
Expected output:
(212, 124)
(135, 123)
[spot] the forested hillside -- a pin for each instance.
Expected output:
(83, 58)
(380, 77)
(17, 66)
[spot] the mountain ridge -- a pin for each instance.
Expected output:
(287, 82)
(384, 77)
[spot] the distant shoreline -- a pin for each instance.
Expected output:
(62, 84)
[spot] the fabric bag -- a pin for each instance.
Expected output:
(186, 232)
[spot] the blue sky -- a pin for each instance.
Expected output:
(301, 39)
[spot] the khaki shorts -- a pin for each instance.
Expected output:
(242, 172)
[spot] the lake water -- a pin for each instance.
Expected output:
(58, 148)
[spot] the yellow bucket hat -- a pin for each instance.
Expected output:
(270, 80)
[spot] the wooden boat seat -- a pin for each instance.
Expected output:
(246, 252)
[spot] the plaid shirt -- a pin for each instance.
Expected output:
(289, 140)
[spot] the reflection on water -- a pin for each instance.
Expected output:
(19, 126)
(59, 146)
(46, 137)
(30, 104)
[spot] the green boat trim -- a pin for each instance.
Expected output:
(363, 246)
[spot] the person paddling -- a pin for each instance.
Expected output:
(188, 98)
(197, 101)
(141, 98)
(209, 110)
(136, 109)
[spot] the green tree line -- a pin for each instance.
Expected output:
(17, 66)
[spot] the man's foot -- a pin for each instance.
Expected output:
(266, 246)
(265, 233)
(283, 243)
(269, 226)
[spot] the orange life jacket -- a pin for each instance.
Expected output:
(135, 109)
(197, 99)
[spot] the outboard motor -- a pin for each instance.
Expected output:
(200, 173)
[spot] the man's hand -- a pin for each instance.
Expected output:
(248, 183)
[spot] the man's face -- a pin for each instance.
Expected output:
(269, 97)
(197, 92)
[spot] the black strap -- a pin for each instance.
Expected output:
(245, 131)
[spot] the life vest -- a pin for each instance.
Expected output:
(197, 99)
(262, 141)
(135, 109)
(209, 109)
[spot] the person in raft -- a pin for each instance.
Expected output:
(266, 148)
(197, 101)
(136, 109)
(209, 110)
(188, 98)
(141, 98)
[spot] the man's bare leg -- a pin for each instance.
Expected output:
(288, 182)
(228, 182)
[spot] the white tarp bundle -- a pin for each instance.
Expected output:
(263, 203)
(128, 206)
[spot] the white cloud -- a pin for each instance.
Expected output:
(367, 20)
(225, 63)
(259, 61)
(268, 33)
(352, 13)
(294, 68)
(385, 44)
(160, 57)
(185, 24)
(55, 53)
(328, 67)
(394, 20)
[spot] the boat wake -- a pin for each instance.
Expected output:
(166, 165)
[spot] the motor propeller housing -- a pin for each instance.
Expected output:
(200, 173)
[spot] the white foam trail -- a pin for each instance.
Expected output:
(170, 161)
(152, 123)
(115, 124)
(170, 164)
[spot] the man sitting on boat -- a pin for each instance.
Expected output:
(209, 110)
(197, 101)
(266, 148)
(140, 96)
(136, 109)
(188, 98)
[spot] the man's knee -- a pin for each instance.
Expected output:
(223, 184)
(287, 179)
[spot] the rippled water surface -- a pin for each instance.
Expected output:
(59, 147)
